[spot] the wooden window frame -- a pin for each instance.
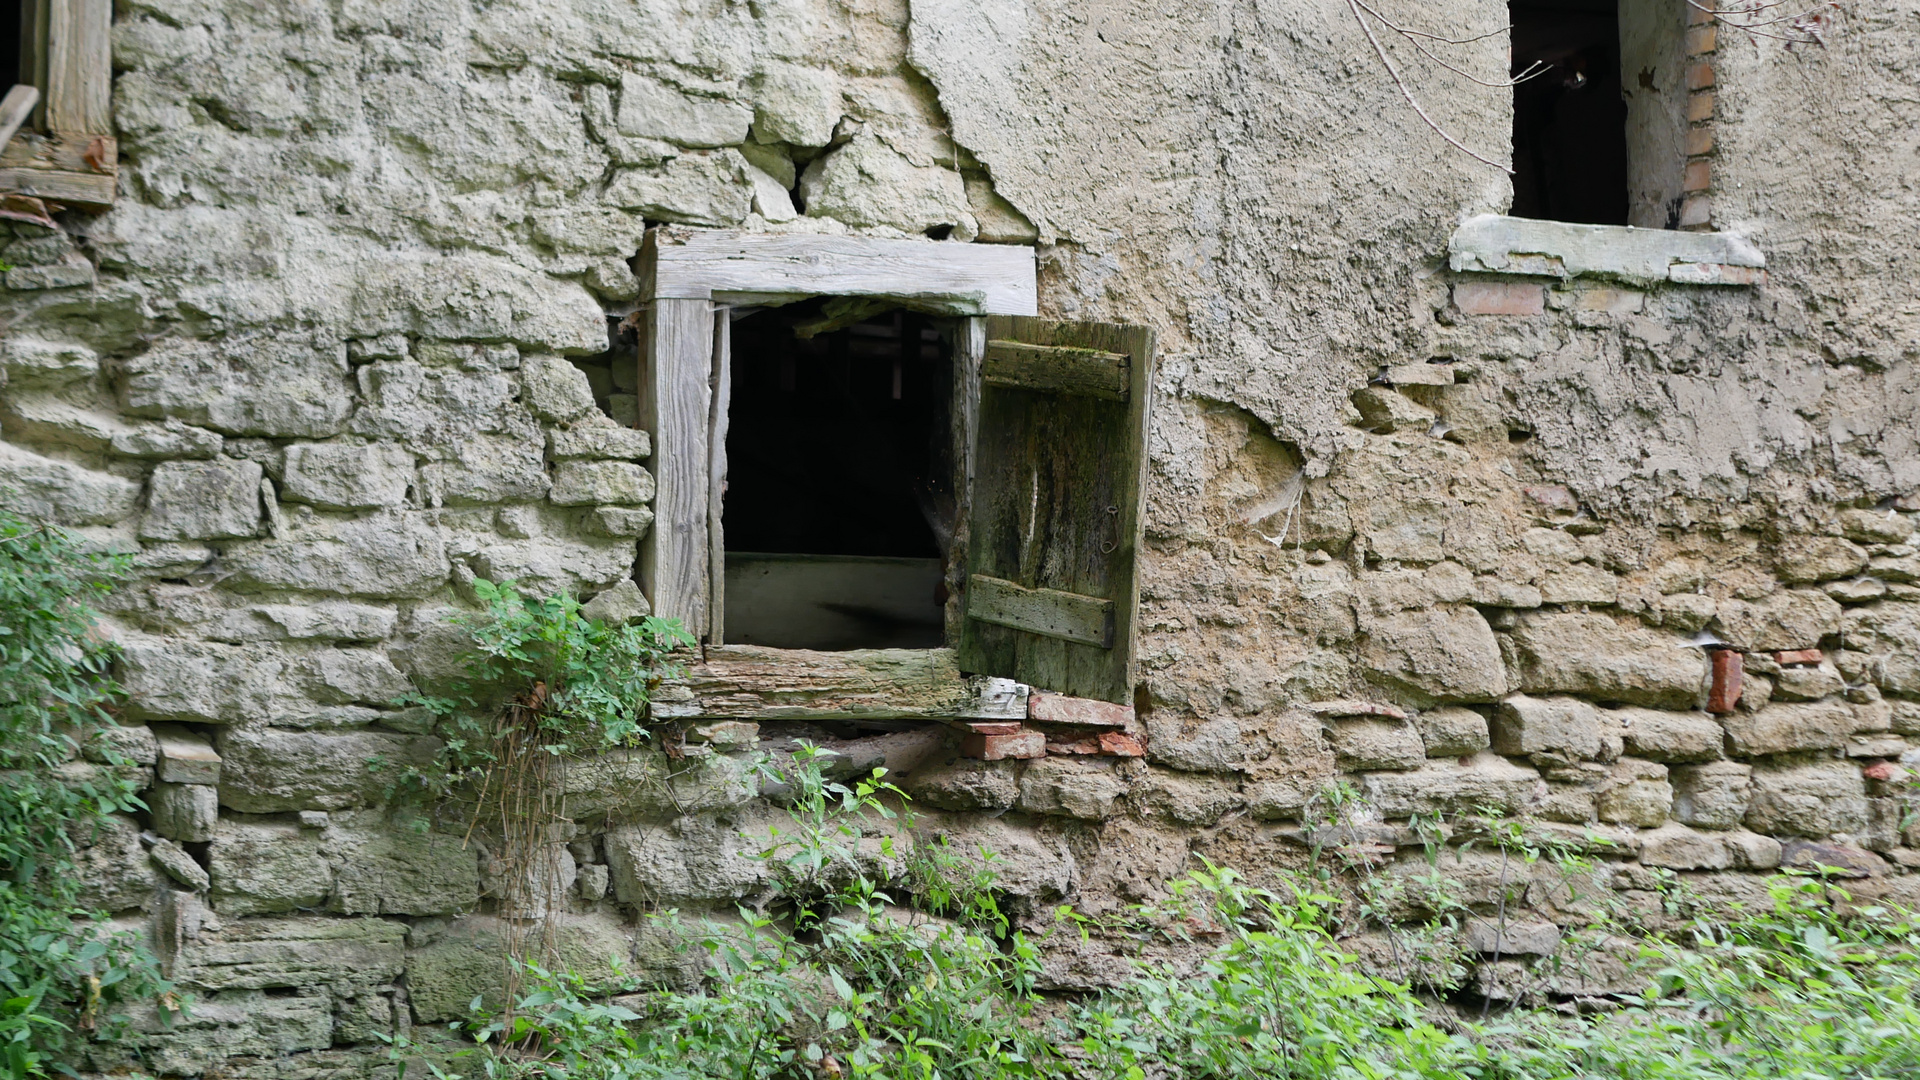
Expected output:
(64, 152)
(689, 277)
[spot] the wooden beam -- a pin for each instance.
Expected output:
(15, 108)
(722, 382)
(1057, 369)
(977, 279)
(79, 67)
(675, 406)
(1052, 613)
(71, 188)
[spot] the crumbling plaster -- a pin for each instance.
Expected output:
(1444, 534)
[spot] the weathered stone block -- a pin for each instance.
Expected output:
(555, 389)
(1187, 800)
(651, 109)
(1363, 744)
(1876, 526)
(1887, 631)
(468, 960)
(622, 521)
(1637, 793)
(171, 439)
(1751, 851)
(867, 183)
(1520, 937)
(1781, 728)
(341, 955)
(185, 812)
(112, 869)
(965, 784)
(694, 189)
(1676, 847)
(1672, 737)
(1596, 656)
(1814, 800)
(259, 866)
(618, 606)
(1712, 796)
(183, 756)
(1563, 726)
(390, 868)
(236, 1024)
(586, 483)
(395, 555)
(1451, 731)
(1805, 559)
(1385, 410)
(646, 783)
(355, 676)
(795, 104)
(1086, 790)
(606, 441)
(343, 476)
(174, 861)
(274, 385)
(330, 620)
(169, 679)
(269, 770)
(203, 500)
(485, 469)
(1788, 619)
(1487, 781)
(1032, 866)
(63, 493)
(689, 860)
(1435, 656)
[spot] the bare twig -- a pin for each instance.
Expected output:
(1534, 70)
(1381, 51)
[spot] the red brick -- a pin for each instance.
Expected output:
(1799, 656)
(994, 727)
(1886, 772)
(1025, 743)
(1698, 14)
(1699, 76)
(1700, 106)
(1500, 298)
(1061, 709)
(1121, 745)
(1698, 176)
(1728, 667)
(1700, 140)
(1697, 210)
(1701, 39)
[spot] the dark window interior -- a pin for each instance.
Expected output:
(11, 32)
(1570, 122)
(839, 503)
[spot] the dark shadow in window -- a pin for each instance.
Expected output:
(1569, 124)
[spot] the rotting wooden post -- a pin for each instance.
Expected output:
(675, 405)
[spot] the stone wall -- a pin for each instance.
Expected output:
(343, 344)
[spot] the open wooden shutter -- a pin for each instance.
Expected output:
(1054, 521)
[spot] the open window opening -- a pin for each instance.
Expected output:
(1570, 121)
(839, 502)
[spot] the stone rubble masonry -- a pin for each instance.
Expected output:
(1455, 547)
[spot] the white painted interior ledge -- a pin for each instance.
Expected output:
(1491, 244)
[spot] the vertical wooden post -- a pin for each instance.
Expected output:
(79, 67)
(969, 344)
(722, 382)
(675, 405)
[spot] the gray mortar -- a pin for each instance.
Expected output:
(311, 373)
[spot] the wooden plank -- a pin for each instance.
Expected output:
(749, 682)
(60, 152)
(980, 279)
(675, 406)
(1087, 620)
(721, 380)
(79, 67)
(1057, 489)
(15, 108)
(70, 188)
(1056, 369)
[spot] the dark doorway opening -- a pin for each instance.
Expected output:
(839, 500)
(1570, 121)
(13, 33)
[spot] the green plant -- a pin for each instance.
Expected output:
(62, 975)
(540, 682)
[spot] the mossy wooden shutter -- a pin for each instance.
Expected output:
(1054, 521)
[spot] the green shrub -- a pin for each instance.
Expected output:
(62, 975)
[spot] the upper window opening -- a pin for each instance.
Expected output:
(839, 502)
(1570, 155)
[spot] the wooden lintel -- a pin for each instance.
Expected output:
(703, 264)
(1087, 620)
(1057, 369)
(91, 190)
